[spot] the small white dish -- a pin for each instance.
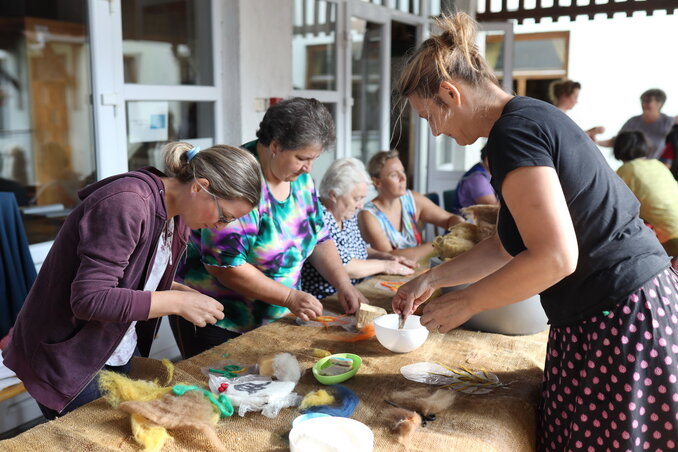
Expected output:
(331, 434)
(409, 338)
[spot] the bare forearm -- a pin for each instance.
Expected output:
(527, 274)
(486, 257)
(376, 254)
(359, 268)
(248, 280)
(325, 258)
(166, 302)
(416, 253)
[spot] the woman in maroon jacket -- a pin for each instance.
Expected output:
(112, 265)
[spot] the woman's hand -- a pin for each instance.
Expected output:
(200, 309)
(447, 312)
(412, 294)
(393, 267)
(405, 261)
(350, 298)
(303, 305)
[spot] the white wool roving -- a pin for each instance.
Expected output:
(286, 367)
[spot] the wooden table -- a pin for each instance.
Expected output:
(504, 420)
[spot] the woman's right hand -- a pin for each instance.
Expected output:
(412, 294)
(200, 309)
(303, 305)
(393, 267)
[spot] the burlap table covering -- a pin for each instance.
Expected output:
(504, 420)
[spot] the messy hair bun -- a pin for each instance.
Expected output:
(450, 55)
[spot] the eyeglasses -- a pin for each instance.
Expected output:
(222, 219)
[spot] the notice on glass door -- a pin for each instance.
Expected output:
(147, 121)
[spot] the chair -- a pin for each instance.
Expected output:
(434, 197)
(429, 229)
(448, 200)
(17, 271)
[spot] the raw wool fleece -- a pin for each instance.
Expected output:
(191, 410)
(154, 409)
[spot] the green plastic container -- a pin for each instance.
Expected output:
(334, 379)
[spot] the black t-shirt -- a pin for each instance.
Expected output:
(617, 252)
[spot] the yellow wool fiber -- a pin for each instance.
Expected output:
(320, 353)
(170, 371)
(119, 388)
(316, 398)
(149, 435)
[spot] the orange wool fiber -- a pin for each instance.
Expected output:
(367, 332)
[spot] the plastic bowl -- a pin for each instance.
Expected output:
(334, 379)
(523, 317)
(307, 417)
(411, 337)
(331, 433)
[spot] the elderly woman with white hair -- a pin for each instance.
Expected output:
(342, 193)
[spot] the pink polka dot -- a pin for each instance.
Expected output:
(654, 417)
(622, 417)
(668, 330)
(642, 410)
(640, 316)
(674, 348)
(654, 353)
(595, 380)
(633, 328)
(656, 435)
(668, 360)
(643, 364)
(606, 342)
(618, 397)
(626, 310)
(670, 444)
(672, 378)
(639, 347)
(632, 406)
(578, 444)
(639, 393)
(665, 407)
(661, 312)
(653, 293)
(647, 382)
(662, 342)
(634, 298)
(674, 319)
(636, 376)
(617, 351)
(658, 371)
(634, 424)
(661, 389)
(648, 335)
(627, 387)
(668, 425)
(646, 445)
(630, 358)
(651, 399)
(613, 378)
(626, 435)
(615, 444)
(625, 340)
(655, 324)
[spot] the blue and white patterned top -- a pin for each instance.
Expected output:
(409, 235)
(350, 245)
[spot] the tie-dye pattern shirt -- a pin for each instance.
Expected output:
(276, 237)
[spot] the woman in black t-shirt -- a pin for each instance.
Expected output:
(568, 229)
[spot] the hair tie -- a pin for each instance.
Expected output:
(192, 152)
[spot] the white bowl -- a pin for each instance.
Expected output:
(411, 337)
(331, 434)
(523, 317)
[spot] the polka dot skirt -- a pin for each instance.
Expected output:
(610, 383)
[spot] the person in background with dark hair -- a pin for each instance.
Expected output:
(669, 153)
(253, 266)
(654, 186)
(565, 95)
(111, 268)
(654, 124)
(474, 187)
(568, 229)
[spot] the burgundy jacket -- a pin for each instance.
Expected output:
(90, 287)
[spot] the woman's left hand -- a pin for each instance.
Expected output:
(447, 312)
(350, 298)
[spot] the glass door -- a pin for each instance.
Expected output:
(46, 125)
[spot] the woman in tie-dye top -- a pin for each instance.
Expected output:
(253, 265)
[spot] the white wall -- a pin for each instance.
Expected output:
(615, 60)
(257, 62)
